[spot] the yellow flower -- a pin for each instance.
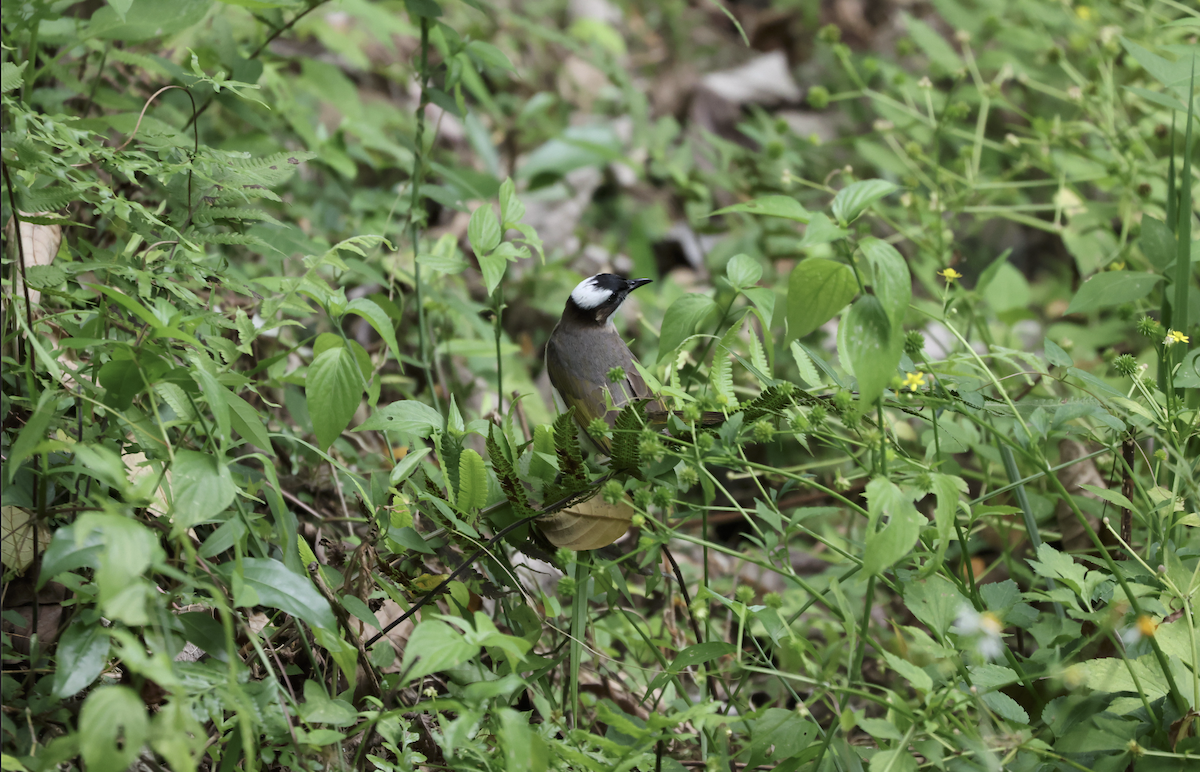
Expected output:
(950, 275)
(1175, 336)
(1084, 12)
(914, 381)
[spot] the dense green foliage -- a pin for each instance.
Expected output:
(275, 428)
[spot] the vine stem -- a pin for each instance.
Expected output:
(414, 229)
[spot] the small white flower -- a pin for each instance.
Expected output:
(1075, 93)
(925, 82)
(1012, 139)
(984, 627)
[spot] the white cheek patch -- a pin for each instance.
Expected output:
(588, 296)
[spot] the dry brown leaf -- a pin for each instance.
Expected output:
(588, 525)
(39, 243)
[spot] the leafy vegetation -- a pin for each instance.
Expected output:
(283, 487)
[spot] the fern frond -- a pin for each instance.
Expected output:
(770, 402)
(450, 448)
(721, 373)
(566, 447)
(208, 214)
(626, 445)
(510, 482)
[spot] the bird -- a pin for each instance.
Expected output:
(585, 346)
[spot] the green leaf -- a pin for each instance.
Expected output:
(434, 646)
(1111, 288)
(215, 394)
(472, 481)
(743, 271)
(333, 390)
(524, 750)
(817, 290)
(771, 206)
(247, 421)
(873, 350)
(853, 199)
(1157, 243)
(1113, 497)
(377, 318)
(1055, 354)
(804, 364)
(1006, 707)
(11, 76)
(407, 465)
(278, 587)
(408, 417)
(931, 42)
(893, 282)
(33, 433)
(700, 653)
(511, 208)
(821, 230)
(935, 602)
(681, 320)
(914, 675)
(483, 231)
(112, 728)
(893, 760)
(201, 488)
(895, 540)
(82, 654)
(947, 489)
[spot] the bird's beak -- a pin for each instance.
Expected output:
(635, 283)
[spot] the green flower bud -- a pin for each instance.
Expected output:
(1126, 365)
(597, 428)
(830, 33)
(691, 413)
(566, 587)
(914, 342)
(662, 497)
(816, 416)
(763, 431)
(616, 374)
(705, 442)
(744, 594)
(613, 492)
(818, 97)
(773, 600)
(842, 401)
(643, 497)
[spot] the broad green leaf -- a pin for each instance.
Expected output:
(772, 206)
(112, 729)
(408, 417)
(82, 654)
(407, 465)
(333, 389)
(817, 290)
(278, 587)
(917, 677)
(873, 350)
(947, 489)
(779, 735)
(852, 200)
(472, 481)
(33, 433)
(821, 230)
(893, 760)
(247, 421)
(377, 318)
(343, 652)
(1006, 707)
(743, 271)
(201, 488)
(931, 42)
(483, 231)
(1157, 243)
(893, 282)
(434, 646)
(1173, 75)
(887, 545)
(935, 602)
(1111, 288)
(511, 208)
(1055, 354)
(700, 653)
(681, 320)
(1113, 497)
(215, 394)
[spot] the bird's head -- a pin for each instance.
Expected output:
(597, 298)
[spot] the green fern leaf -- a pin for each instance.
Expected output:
(566, 447)
(472, 481)
(626, 446)
(721, 373)
(11, 77)
(450, 448)
(510, 482)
